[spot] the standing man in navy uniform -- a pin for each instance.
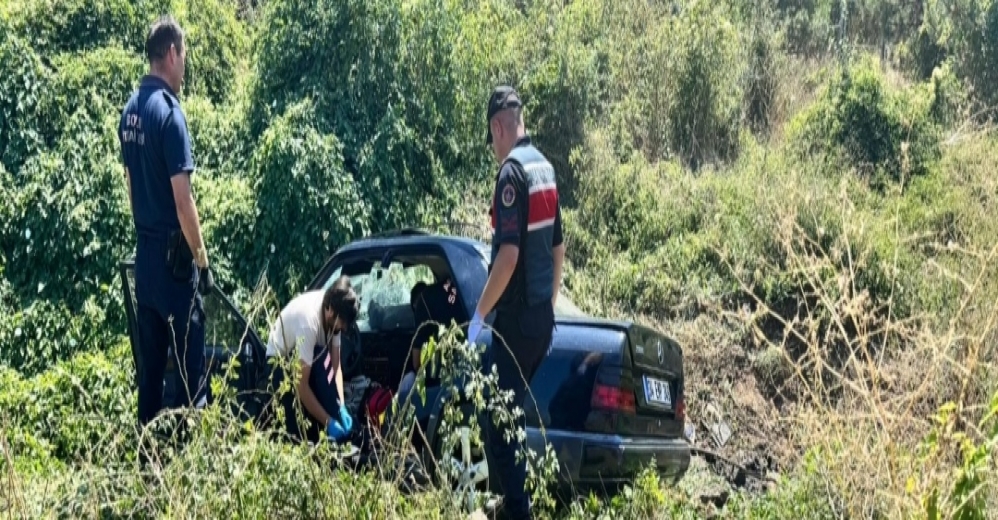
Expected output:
(171, 263)
(524, 277)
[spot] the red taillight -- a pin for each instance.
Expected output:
(681, 409)
(613, 398)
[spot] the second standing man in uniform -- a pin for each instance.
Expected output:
(524, 277)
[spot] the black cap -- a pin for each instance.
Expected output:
(503, 97)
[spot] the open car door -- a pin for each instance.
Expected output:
(227, 337)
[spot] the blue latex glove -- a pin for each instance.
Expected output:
(345, 419)
(475, 328)
(339, 428)
(335, 430)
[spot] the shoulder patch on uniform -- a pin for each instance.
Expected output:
(508, 195)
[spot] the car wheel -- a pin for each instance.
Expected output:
(466, 467)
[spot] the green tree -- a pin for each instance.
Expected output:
(307, 204)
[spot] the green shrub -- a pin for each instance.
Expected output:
(806, 26)
(220, 138)
(307, 204)
(291, 67)
(39, 332)
(78, 402)
(217, 45)
(799, 494)
(803, 493)
(689, 102)
(980, 63)
(815, 27)
(7, 193)
(963, 197)
(66, 225)
(403, 142)
(20, 439)
(563, 76)
(656, 238)
(950, 99)
(653, 239)
(922, 54)
(623, 205)
(762, 82)
(94, 83)
(228, 211)
(70, 217)
(216, 38)
(75, 25)
(877, 23)
(24, 80)
(345, 81)
(943, 216)
(965, 35)
(110, 72)
(967, 490)
(885, 133)
(8, 299)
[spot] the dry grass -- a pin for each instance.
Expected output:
(880, 407)
(867, 383)
(798, 81)
(10, 485)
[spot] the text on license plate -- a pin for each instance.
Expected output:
(657, 391)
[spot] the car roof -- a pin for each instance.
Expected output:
(412, 237)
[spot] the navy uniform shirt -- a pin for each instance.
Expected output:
(155, 146)
(526, 213)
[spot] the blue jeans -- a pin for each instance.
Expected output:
(170, 313)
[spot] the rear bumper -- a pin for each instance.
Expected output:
(600, 460)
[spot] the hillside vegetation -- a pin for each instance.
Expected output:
(802, 193)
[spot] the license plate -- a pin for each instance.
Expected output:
(657, 391)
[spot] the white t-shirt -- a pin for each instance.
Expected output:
(300, 327)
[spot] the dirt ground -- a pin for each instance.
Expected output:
(732, 406)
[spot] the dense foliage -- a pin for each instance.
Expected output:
(800, 160)
(305, 199)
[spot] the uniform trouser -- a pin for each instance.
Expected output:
(520, 341)
(170, 313)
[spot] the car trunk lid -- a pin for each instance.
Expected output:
(641, 392)
(657, 372)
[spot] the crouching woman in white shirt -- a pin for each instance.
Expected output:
(310, 325)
